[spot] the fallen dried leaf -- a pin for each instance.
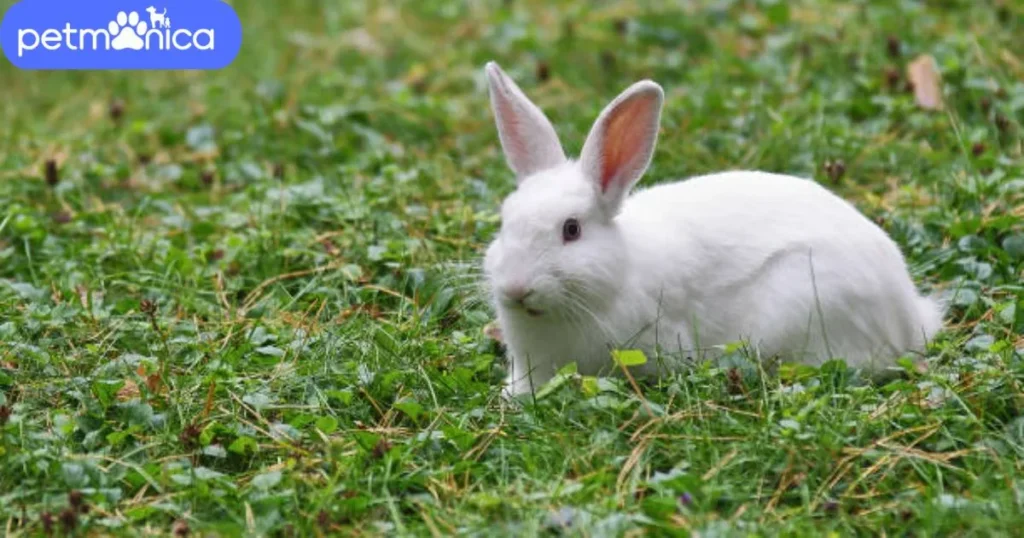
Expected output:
(923, 73)
(129, 391)
(330, 247)
(154, 383)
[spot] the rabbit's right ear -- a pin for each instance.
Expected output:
(527, 137)
(619, 147)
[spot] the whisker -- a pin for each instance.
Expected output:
(578, 303)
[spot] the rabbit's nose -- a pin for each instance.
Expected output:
(517, 293)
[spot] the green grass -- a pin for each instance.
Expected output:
(243, 306)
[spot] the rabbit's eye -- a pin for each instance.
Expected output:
(571, 230)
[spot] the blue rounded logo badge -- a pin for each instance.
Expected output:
(121, 34)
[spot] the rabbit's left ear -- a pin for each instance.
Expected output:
(527, 137)
(619, 147)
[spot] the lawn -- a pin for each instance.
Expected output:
(244, 302)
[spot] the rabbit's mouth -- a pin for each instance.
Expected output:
(520, 307)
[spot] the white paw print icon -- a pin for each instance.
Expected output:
(127, 31)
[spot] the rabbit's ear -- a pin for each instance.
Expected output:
(621, 142)
(527, 137)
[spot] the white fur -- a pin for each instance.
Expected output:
(776, 261)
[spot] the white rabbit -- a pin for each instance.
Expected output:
(581, 266)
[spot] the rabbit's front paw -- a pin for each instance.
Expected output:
(515, 387)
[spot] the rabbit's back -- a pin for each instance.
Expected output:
(779, 260)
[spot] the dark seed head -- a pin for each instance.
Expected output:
(568, 30)
(1002, 123)
(69, 518)
(323, 519)
(607, 59)
(147, 307)
(215, 255)
(892, 77)
(207, 177)
(189, 435)
(75, 498)
(830, 507)
(46, 519)
(116, 109)
(5, 414)
(977, 149)
(892, 44)
(835, 170)
(986, 104)
(420, 86)
(381, 448)
(145, 158)
(278, 171)
(180, 528)
(908, 86)
(52, 177)
(543, 72)
(1003, 13)
(734, 381)
(621, 26)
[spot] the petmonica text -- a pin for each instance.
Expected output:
(120, 34)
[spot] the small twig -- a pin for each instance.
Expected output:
(218, 283)
(636, 388)
(254, 295)
(720, 465)
(634, 458)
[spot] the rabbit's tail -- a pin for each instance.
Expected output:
(931, 310)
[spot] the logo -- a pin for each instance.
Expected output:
(120, 34)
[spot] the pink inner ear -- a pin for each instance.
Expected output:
(625, 139)
(511, 126)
